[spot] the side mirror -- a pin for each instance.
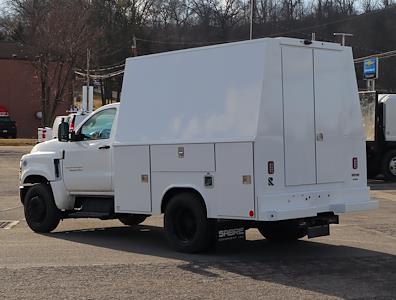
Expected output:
(63, 132)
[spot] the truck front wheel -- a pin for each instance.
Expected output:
(41, 213)
(389, 165)
(132, 220)
(280, 231)
(187, 227)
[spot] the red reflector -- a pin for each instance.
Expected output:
(71, 127)
(271, 167)
(355, 163)
(251, 213)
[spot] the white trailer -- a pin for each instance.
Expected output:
(265, 133)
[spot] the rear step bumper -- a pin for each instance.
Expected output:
(286, 209)
(320, 225)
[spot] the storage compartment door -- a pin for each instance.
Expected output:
(235, 196)
(299, 116)
(330, 90)
(132, 179)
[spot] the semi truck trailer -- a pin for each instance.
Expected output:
(260, 134)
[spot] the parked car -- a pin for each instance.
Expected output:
(48, 133)
(74, 120)
(8, 127)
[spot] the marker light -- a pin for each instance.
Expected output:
(355, 163)
(271, 167)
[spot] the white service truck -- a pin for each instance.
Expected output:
(260, 134)
(379, 121)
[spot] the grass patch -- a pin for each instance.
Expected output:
(18, 142)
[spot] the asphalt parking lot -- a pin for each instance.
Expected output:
(89, 259)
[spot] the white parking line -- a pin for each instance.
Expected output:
(10, 224)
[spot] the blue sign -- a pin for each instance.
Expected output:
(370, 68)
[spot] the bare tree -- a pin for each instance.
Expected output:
(58, 34)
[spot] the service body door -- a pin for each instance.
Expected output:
(299, 115)
(330, 91)
(87, 165)
(313, 97)
(132, 179)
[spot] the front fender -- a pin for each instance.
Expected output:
(39, 164)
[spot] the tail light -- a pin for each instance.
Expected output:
(71, 126)
(271, 167)
(44, 134)
(355, 163)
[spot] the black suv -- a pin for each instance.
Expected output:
(7, 128)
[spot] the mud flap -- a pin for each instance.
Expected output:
(230, 231)
(317, 231)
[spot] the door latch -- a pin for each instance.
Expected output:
(319, 137)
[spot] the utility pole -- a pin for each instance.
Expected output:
(88, 79)
(343, 35)
(252, 4)
(134, 47)
(313, 38)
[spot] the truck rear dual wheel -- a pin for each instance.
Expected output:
(41, 213)
(282, 231)
(187, 227)
(132, 220)
(389, 165)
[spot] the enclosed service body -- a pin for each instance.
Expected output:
(265, 132)
(240, 110)
(380, 129)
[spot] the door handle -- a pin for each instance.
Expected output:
(319, 137)
(104, 147)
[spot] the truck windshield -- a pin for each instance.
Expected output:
(99, 126)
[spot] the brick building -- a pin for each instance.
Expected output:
(20, 89)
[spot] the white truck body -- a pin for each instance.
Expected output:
(380, 129)
(389, 113)
(234, 108)
(263, 130)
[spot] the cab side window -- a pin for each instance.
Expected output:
(99, 126)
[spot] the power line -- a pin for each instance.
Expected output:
(379, 56)
(105, 76)
(379, 11)
(103, 69)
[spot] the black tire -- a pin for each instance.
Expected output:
(389, 165)
(187, 227)
(41, 213)
(132, 220)
(282, 231)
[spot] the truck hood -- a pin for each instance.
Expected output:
(49, 146)
(51, 149)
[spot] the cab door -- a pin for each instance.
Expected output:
(87, 165)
